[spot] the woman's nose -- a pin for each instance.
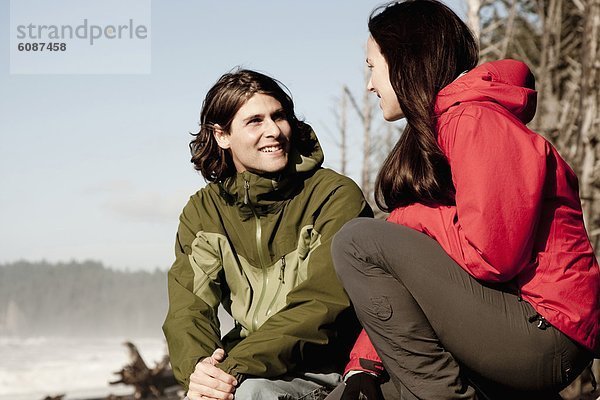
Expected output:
(370, 87)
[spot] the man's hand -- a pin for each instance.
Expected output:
(209, 382)
(363, 384)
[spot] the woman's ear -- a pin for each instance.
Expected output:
(221, 137)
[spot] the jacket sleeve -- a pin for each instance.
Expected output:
(289, 337)
(191, 326)
(498, 169)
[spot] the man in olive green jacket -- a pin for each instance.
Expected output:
(256, 240)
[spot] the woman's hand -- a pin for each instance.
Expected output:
(362, 383)
(209, 382)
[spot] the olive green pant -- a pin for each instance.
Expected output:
(440, 333)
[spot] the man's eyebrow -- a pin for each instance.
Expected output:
(279, 111)
(251, 117)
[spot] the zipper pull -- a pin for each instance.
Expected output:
(281, 272)
(246, 189)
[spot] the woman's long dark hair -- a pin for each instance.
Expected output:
(426, 47)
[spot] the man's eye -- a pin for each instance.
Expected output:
(254, 121)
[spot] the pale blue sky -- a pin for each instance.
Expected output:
(97, 166)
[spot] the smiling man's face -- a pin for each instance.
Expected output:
(259, 137)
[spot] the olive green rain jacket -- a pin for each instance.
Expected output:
(261, 248)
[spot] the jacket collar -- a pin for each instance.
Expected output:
(253, 193)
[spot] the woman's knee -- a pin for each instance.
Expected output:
(349, 240)
(354, 232)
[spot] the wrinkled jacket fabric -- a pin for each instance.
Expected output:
(261, 248)
(517, 217)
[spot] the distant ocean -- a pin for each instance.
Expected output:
(32, 368)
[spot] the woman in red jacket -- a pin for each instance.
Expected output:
(483, 281)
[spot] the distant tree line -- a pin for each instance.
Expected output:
(80, 298)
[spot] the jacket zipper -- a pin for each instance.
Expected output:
(261, 257)
(281, 283)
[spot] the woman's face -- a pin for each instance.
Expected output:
(380, 83)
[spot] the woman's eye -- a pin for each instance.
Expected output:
(254, 121)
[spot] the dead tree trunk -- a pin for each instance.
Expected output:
(589, 120)
(342, 127)
(365, 114)
(473, 20)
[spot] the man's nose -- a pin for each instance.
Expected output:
(272, 129)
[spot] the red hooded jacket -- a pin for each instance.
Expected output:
(518, 214)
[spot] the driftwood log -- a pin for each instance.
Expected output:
(159, 382)
(148, 383)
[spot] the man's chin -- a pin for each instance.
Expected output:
(273, 169)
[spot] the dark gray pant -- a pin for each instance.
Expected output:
(440, 333)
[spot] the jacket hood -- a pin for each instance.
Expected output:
(509, 83)
(249, 191)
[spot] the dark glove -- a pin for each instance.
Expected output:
(365, 384)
